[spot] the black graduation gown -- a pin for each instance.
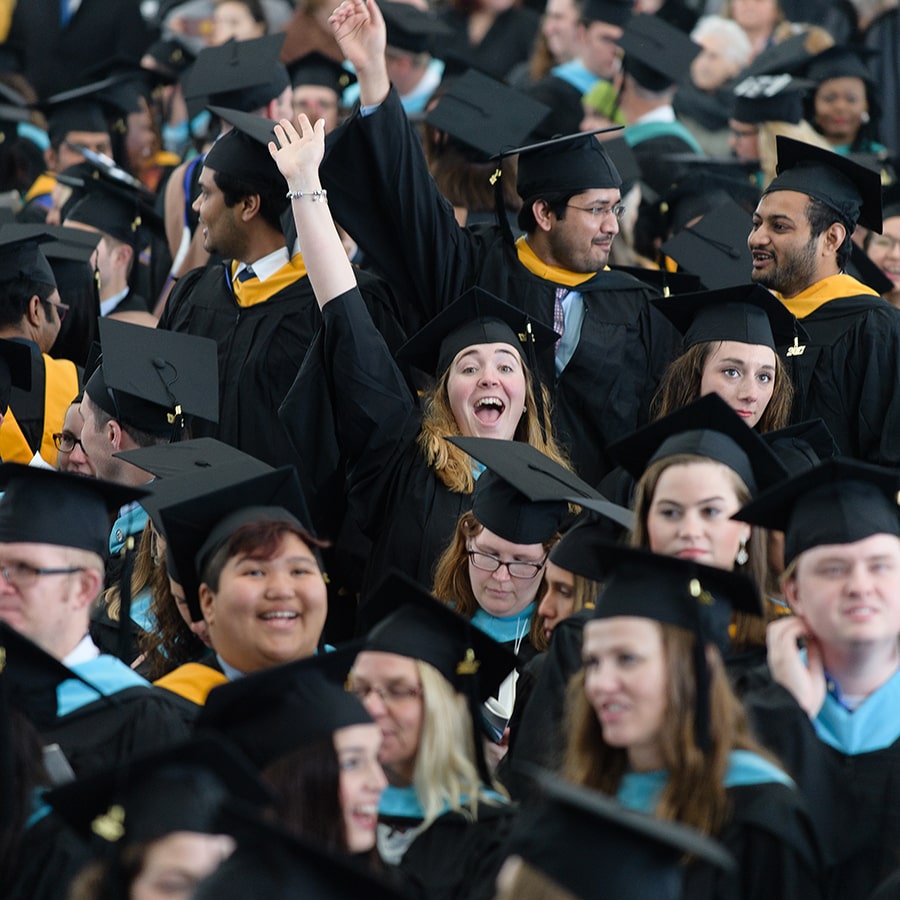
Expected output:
(770, 835)
(854, 800)
(849, 376)
(394, 497)
(380, 189)
(261, 348)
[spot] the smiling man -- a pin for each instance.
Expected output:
(848, 371)
(614, 347)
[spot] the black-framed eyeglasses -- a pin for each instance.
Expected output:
(66, 442)
(62, 309)
(598, 212)
(21, 575)
(488, 563)
(389, 693)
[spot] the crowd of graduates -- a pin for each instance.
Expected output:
(449, 453)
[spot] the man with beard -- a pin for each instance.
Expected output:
(848, 371)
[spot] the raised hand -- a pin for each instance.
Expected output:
(298, 152)
(805, 681)
(359, 29)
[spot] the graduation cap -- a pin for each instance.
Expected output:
(244, 151)
(69, 254)
(840, 501)
(318, 69)
(120, 210)
(412, 29)
(851, 190)
(484, 114)
(861, 267)
(15, 370)
(666, 283)
(242, 75)
(596, 849)
(842, 61)
(521, 495)
(657, 54)
(769, 98)
(707, 427)
(83, 108)
(192, 457)
(706, 183)
(225, 498)
(43, 506)
(613, 12)
(181, 788)
(154, 379)
(476, 317)
(405, 619)
(786, 57)
(285, 708)
(170, 56)
(891, 200)
(715, 248)
(802, 446)
(746, 313)
(21, 255)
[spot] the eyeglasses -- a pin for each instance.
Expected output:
(66, 442)
(488, 563)
(390, 694)
(21, 575)
(61, 308)
(884, 242)
(601, 211)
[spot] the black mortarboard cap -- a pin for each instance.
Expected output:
(316, 68)
(153, 379)
(891, 200)
(21, 255)
(405, 619)
(769, 98)
(715, 248)
(842, 61)
(181, 788)
(625, 162)
(852, 190)
(840, 501)
(285, 708)
(412, 29)
(861, 267)
(786, 57)
(477, 317)
(521, 495)
(570, 164)
(73, 244)
(171, 56)
(244, 151)
(613, 12)
(82, 108)
(192, 457)
(243, 75)
(802, 446)
(747, 313)
(657, 54)
(120, 210)
(485, 114)
(572, 833)
(43, 506)
(705, 184)
(15, 370)
(225, 498)
(707, 427)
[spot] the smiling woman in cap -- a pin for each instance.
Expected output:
(407, 484)
(655, 723)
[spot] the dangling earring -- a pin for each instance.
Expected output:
(865, 118)
(742, 554)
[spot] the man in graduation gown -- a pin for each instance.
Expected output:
(30, 314)
(848, 372)
(614, 347)
(54, 530)
(259, 307)
(830, 710)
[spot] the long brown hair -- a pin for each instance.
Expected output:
(695, 793)
(680, 385)
(452, 465)
(451, 578)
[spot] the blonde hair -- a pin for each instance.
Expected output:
(452, 583)
(766, 135)
(446, 773)
(454, 467)
(695, 792)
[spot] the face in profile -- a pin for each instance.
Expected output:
(362, 781)
(175, 864)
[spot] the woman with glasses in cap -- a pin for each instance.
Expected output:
(407, 485)
(70, 455)
(884, 249)
(422, 674)
(654, 723)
